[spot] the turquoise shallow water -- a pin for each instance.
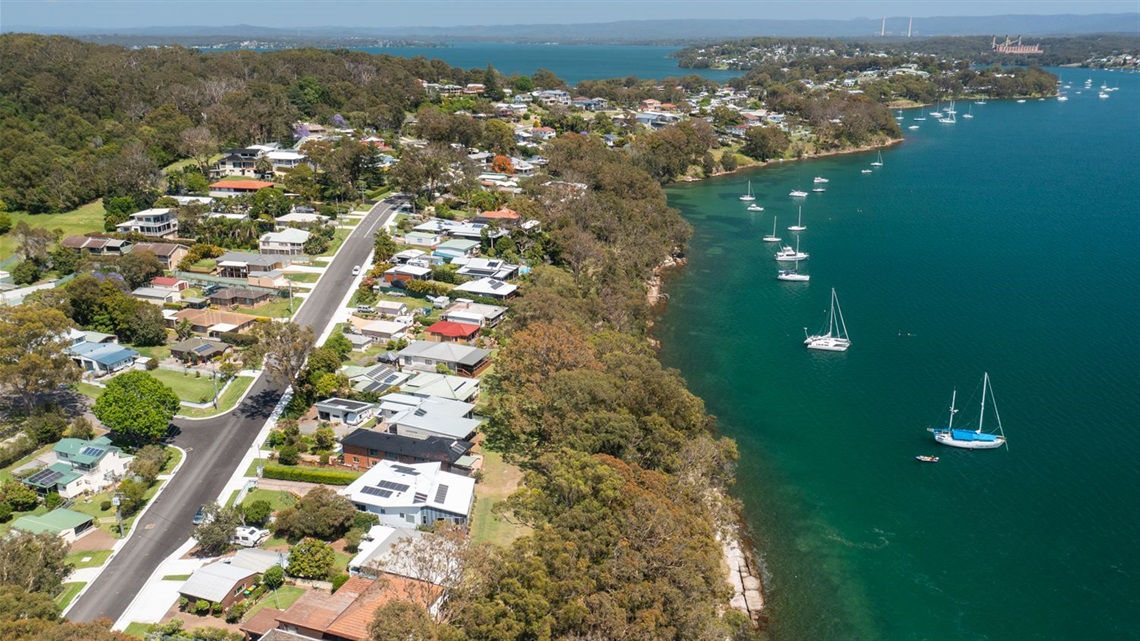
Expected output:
(572, 63)
(1009, 243)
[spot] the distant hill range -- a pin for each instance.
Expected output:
(641, 31)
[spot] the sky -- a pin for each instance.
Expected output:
(79, 14)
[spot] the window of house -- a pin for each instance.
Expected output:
(410, 518)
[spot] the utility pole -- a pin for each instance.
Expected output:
(908, 27)
(117, 502)
(215, 365)
(883, 29)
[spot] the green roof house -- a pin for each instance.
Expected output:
(81, 466)
(68, 524)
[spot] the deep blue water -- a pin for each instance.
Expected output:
(1009, 243)
(572, 63)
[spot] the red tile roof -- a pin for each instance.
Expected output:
(253, 185)
(452, 329)
(354, 621)
(501, 214)
(165, 280)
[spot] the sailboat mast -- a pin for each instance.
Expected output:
(982, 412)
(953, 401)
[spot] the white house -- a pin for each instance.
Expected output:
(288, 242)
(284, 159)
(486, 268)
(81, 466)
(342, 410)
(464, 360)
(404, 495)
(160, 222)
(471, 313)
(488, 287)
(157, 295)
(456, 388)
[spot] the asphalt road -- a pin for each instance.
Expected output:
(214, 448)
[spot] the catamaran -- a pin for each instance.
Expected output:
(836, 338)
(787, 254)
(748, 196)
(879, 162)
(972, 439)
(772, 238)
(799, 226)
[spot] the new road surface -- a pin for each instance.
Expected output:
(214, 447)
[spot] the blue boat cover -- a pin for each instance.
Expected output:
(967, 435)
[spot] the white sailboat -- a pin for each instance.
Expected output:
(937, 113)
(792, 275)
(836, 338)
(798, 193)
(755, 207)
(951, 117)
(787, 254)
(748, 196)
(921, 117)
(819, 179)
(972, 439)
(879, 162)
(899, 116)
(772, 238)
(969, 113)
(799, 226)
(913, 127)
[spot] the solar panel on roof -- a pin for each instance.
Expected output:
(45, 477)
(375, 491)
(420, 412)
(440, 493)
(391, 379)
(496, 284)
(91, 451)
(202, 349)
(403, 469)
(389, 485)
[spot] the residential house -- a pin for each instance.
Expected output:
(275, 279)
(390, 308)
(166, 282)
(422, 239)
(198, 350)
(456, 248)
(446, 331)
(487, 268)
(342, 410)
(159, 222)
(237, 162)
(66, 524)
(429, 417)
(412, 494)
(737, 130)
(553, 97)
(300, 218)
(364, 448)
(489, 287)
(80, 466)
(408, 255)
(242, 264)
(463, 360)
(347, 614)
(221, 583)
(240, 296)
(284, 160)
(406, 273)
(385, 330)
(501, 217)
(97, 246)
(590, 104)
(469, 312)
(101, 359)
(543, 133)
(157, 295)
(428, 384)
(231, 188)
(289, 241)
(193, 200)
(359, 342)
(168, 254)
(213, 322)
(377, 379)
(650, 104)
(475, 231)
(374, 556)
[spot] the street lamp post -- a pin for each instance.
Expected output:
(117, 502)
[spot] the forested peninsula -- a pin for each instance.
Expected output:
(623, 497)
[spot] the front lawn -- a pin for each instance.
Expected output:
(137, 629)
(188, 387)
(226, 402)
(500, 480)
(87, 389)
(303, 277)
(94, 559)
(76, 222)
(277, 308)
(337, 240)
(276, 498)
(280, 599)
(70, 590)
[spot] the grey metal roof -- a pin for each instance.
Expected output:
(215, 581)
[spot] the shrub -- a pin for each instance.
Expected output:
(257, 512)
(151, 364)
(352, 540)
(105, 505)
(19, 497)
(5, 512)
(182, 603)
(339, 580)
(201, 606)
(273, 578)
(310, 475)
(364, 520)
(311, 559)
(237, 611)
(53, 500)
(287, 455)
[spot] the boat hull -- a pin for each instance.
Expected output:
(975, 442)
(827, 343)
(793, 277)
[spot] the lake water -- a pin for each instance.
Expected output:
(572, 63)
(1009, 243)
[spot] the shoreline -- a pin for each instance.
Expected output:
(760, 165)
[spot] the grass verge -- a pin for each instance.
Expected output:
(176, 577)
(94, 558)
(226, 402)
(137, 629)
(70, 590)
